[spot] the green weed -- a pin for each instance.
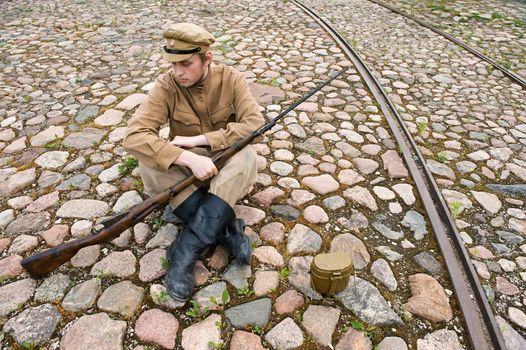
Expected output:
(283, 273)
(422, 126)
(128, 165)
(160, 297)
(139, 185)
(478, 17)
(496, 15)
(442, 157)
(157, 223)
(195, 310)
(475, 252)
(518, 23)
(164, 262)
(246, 291)
(438, 8)
(53, 144)
(298, 316)
(213, 345)
(220, 325)
(455, 208)
(359, 326)
(258, 330)
(225, 297)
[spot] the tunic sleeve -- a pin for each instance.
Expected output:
(248, 118)
(142, 138)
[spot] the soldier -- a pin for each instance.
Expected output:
(208, 107)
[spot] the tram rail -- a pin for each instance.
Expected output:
(510, 74)
(482, 328)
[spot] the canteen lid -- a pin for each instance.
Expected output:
(333, 261)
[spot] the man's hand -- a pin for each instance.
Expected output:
(190, 141)
(202, 167)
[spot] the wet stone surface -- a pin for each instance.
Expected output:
(331, 177)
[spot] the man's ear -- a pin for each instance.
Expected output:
(208, 58)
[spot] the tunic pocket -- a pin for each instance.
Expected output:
(222, 116)
(186, 123)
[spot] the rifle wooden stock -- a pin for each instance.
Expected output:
(42, 263)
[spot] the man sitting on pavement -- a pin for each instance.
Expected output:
(208, 107)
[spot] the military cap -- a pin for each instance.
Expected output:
(185, 39)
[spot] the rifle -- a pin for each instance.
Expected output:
(44, 262)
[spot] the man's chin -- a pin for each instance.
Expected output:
(186, 85)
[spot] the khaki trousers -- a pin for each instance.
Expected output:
(232, 181)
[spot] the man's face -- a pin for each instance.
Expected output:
(191, 70)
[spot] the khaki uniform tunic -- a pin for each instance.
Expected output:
(221, 107)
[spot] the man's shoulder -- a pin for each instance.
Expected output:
(165, 81)
(227, 72)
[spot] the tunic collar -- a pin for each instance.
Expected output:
(205, 82)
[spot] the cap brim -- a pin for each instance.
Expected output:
(176, 58)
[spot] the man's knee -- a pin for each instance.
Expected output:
(247, 157)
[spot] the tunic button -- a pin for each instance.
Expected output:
(222, 146)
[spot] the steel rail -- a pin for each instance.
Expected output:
(510, 74)
(483, 331)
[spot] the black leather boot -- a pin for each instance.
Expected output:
(187, 209)
(182, 255)
(235, 240)
(204, 227)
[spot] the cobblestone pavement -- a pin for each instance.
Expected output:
(494, 27)
(330, 179)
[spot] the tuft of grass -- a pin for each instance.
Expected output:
(160, 297)
(139, 185)
(225, 297)
(283, 273)
(422, 126)
(442, 157)
(27, 345)
(455, 208)
(359, 326)
(246, 291)
(128, 165)
(518, 23)
(164, 262)
(496, 15)
(438, 8)
(195, 310)
(258, 330)
(157, 223)
(53, 144)
(213, 345)
(478, 17)
(298, 316)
